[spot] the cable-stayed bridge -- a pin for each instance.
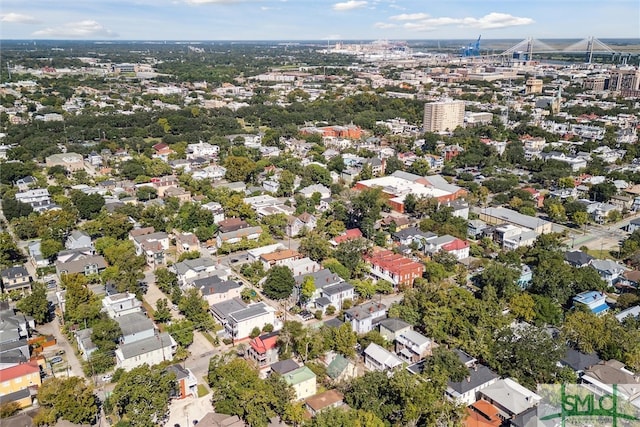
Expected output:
(590, 46)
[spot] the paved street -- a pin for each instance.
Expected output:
(70, 358)
(187, 411)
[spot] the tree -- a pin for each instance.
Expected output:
(196, 309)
(279, 283)
(276, 224)
(502, 277)
(146, 193)
(88, 205)
(419, 167)
(105, 334)
(315, 246)
(10, 254)
(162, 313)
(81, 304)
(8, 409)
(182, 332)
(13, 208)
(337, 417)
(393, 164)
(365, 210)
(49, 248)
(522, 306)
(602, 192)
(166, 280)
(238, 390)
(239, 168)
(68, 398)
(141, 396)
(35, 304)
(286, 183)
(350, 252)
(307, 289)
(527, 353)
(344, 340)
(580, 218)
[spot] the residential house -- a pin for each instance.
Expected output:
(610, 271)
(633, 312)
(526, 276)
(634, 225)
(37, 198)
(239, 319)
(308, 191)
(263, 350)
(213, 419)
(365, 317)
(152, 350)
(512, 237)
(179, 193)
(20, 383)
(284, 366)
(412, 236)
(86, 346)
(70, 161)
(78, 239)
(465, 392)
(216, 210)
(187, 382)
(15, 279)
(594, 301)
(514, 402)
(35, 254)
(350, 234)
(412, 346)
(186, 242)
(303, 382)
(340, 369)
(231, 237)
(378, 358)
(279, 258)
(253, 255)
(578, 361)
(578, 258)
(334, 295)
(162, 151)
(458, 248)
(391, 328)
(600, 379)
(295, 225)
(482, 414)
(214, 289)
(151, 244)
(323, 401)
(135, 327)
(26, 183)
(202, 149)
(191, 269)
(397, 269)
(475, 228)
(121, 304)
(162, 184)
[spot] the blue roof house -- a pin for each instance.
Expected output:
(595, 301)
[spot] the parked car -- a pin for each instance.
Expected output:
(306, 315)
(56, 359)
(51, 284)
(60, 352)
(107, 378)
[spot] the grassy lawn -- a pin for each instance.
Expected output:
(604, 254)
(210, 338)
(202, 390)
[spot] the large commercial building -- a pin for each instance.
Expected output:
(625, 79)
(443, 116)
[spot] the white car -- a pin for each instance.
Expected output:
(107, 378)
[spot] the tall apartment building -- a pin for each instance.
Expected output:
(443, 116)
(624, 79)
(533, 86)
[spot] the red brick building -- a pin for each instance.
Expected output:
(393, 267)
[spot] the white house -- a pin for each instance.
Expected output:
(365, 317)
(202, 149)
(214, 290)
(315, 188)
(135, 327)
(239, 319)
(412, 346)
(465, 392)
(121, 304)
(153, 350)
(377, 358)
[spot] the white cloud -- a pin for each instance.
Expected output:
(84, 29)
(349, 5)
(410, 16)
(500, 20)
(494, 20)
(18, 18)
(384, 25)
(196, 2)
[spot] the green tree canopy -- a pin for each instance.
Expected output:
(279, 283)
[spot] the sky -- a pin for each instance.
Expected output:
(317, 19)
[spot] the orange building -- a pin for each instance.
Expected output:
(393, 267)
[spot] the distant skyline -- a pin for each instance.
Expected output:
(317, 19)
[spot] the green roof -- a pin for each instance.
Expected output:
(298, 376)
(337, 366)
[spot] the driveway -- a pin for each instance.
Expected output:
(71, 359)
(186, 411)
